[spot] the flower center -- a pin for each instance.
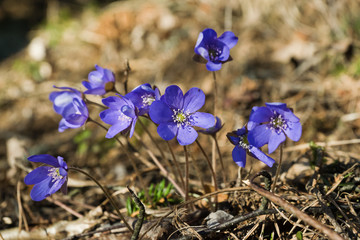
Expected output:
(181, 118)
(244, 143)
(54, 173)
(277, 123)
(147, 99)
(214, 52)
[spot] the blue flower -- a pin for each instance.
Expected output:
(176, 114)
(122, 115)
(47, 180)
(244, 146)
(100, 81)
(142, 97)
(271, 124)
(213, 49)
(214, 129)
(70, 105)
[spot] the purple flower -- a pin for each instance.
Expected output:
(176, 114)
(142, 97)
(214, 129)
(213, 49)
(70, 105)
(271, 124)
(122, 115)
(244, 146)
(47, 180)
(100, 81)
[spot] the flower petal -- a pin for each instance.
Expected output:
(194, 99)
(167, 131)
(239, 156)
(111, 116)
(259, 136)
(186, 135)
(275, 140)
(114, 102)
(128, 111)
(261, 114)
(160, 112)
(56, 185)
(211, 66)
(37, 175)
(203, 120)
(257, 153)
(229, 39)
(41, 190)
(45, 158)
(116, 128)
(132, 129)
(96, 91)
(293, 131)
(174, 97)
(225, 54)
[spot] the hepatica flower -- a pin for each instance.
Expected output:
(142, 97)
(177, 114)
(215, 50)
(271, 124)
(122, 115)
(71, 107)
(100, 81)
(243, 146)
(47, 180)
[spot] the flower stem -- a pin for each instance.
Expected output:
(278, 169)
(141, 215)
(131, 158)
(211, 169)
(213, 152)
(178, 172)
(108, 196)
(186, 174)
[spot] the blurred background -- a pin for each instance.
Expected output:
(303, 53)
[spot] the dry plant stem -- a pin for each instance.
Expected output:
(158, 147)
(177, 167)
(94, 103)
(126, 74)
(161, 167)
(131, 158)
(211, 169)
(213, 154)
(21, 210)
(186, 174)
(332, 235)
(66, 208)
(197, 169)
(108, 196)
(278, 169)
(220, 158)
(141, 215)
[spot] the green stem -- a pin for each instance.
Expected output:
(108, 196)
(278, 169)
(221, 159)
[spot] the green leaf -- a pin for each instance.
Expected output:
(299, 235)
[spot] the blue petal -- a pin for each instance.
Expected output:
(45, 158)
(174, 97)
(37, 175)
(114, 102)
(41, 190)
(293, 131)
(229, 39)
(205, 37)
(203, 52)
(275, 140)
(111, 116)
(167, 131)
(116, 128)
(211, 66)
(203, 120)
(96, 91)
(56, 185)
(194, 99)
(276, 105)
(186, 135)
(262, 114)
(209, 34)
(259, 136)
(257, 153)
(241, 132)
(132, 129)
(225, 54)
(234, 140)
(160, 112)
(128, 111)
(290, 116)
(239, 156)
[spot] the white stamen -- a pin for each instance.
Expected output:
(54, 173)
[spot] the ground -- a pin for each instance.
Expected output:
(303, 53)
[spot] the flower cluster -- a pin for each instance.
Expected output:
(267, 125)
